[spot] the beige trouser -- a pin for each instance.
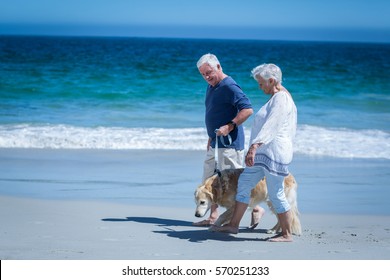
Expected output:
(227, 159)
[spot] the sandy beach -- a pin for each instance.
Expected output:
(116, 205)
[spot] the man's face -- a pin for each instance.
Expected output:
(211, 75)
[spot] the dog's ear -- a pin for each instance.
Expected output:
(210, 183)
(215, 184)
(215, 193)
(207, 192)
(202, 191)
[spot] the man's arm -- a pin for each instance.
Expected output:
(241, 117)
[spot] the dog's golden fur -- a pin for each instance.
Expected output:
(222, 191)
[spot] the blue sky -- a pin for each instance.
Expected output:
(339, 20)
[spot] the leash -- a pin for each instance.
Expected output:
(216, 170)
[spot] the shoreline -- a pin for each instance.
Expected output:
(136, 204)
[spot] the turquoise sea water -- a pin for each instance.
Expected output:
(126, 93)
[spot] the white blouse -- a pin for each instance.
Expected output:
(274, 126)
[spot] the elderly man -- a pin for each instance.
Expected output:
(227, 107)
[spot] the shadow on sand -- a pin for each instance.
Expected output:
(196, 234)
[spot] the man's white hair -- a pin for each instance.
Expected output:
(210, 59)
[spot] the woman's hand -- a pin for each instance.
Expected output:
(250, 156)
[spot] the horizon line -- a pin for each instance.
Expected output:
(316, 34)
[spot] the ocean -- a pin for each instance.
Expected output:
(146, 93)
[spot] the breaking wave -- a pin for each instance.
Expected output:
(310, 140)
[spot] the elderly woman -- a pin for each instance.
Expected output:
(270, 151)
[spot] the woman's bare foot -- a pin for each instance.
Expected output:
(225, 228)
(281, 238)
(257, 213)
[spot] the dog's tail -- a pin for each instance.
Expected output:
(296, 227)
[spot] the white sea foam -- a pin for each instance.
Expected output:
(345, 143)
(310, 140)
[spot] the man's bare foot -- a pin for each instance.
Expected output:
(257, 213)
(225, 228)
(281, 238)
(204, 223)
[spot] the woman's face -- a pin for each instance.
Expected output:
(265, 85)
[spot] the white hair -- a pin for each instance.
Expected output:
(267, 71)
(210, 59)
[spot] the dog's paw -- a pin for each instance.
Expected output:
(224, 229)
(204, 223)
(251, 227)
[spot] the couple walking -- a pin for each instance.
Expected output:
(270, 147)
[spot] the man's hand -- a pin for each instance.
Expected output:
(223, 130)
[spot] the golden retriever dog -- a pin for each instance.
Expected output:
(222, 191)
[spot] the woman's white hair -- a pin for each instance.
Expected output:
(210, 59)
(267, 71)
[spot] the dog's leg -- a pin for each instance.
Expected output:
(296, 228)
(277, 226)
(275, 229)
(256, 215)
(225, 217)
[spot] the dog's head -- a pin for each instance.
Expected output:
(204, 197)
